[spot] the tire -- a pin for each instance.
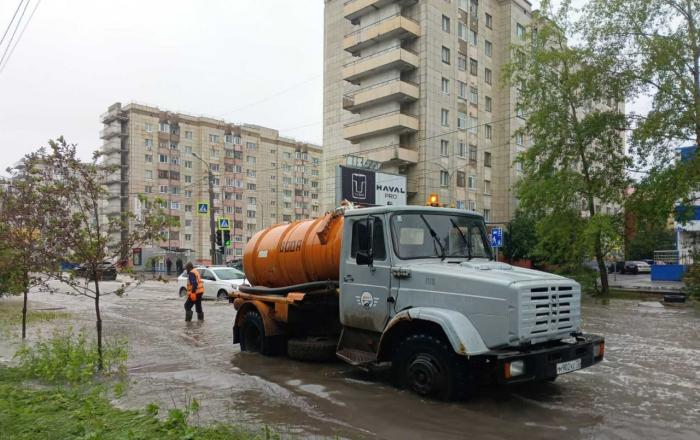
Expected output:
(183, 292)
(253, 339)
(313, 349)
(427, 366)
(222, 295)
(674, 298)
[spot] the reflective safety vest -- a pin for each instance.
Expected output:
(200, 286)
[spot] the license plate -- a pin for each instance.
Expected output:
(567, 367)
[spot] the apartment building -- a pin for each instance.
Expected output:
(416, 85)
(260, 177)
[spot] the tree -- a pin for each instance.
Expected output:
(26, 252)
(576, 159)
(86, 235)
(656, 45)
(520, 237)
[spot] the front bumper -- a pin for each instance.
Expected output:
(540, 362)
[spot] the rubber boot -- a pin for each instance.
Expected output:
(188, 315)
(200, 316)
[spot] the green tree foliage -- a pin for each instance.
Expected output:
(650, 237)
(520, 237)
(84, 233)
(576, 159)
(656, 46)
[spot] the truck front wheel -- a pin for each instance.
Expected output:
(253, 339)
(428, 366)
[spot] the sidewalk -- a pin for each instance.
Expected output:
(643, 283)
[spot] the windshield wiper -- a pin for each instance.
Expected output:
(466, 240)
(435, 237)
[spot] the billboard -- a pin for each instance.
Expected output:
(367, 187)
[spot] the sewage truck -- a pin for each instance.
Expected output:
(413, 288)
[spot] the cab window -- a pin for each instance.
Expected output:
(359, 238)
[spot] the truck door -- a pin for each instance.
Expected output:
(366, 276)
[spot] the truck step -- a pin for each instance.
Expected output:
(356, 357)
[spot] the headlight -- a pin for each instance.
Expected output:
(599, 350)
(514, 369)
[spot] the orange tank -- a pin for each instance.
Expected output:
(295, 253)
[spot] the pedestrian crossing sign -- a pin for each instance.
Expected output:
(203, 208)
(224, 224)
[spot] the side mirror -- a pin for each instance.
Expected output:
(365, 254)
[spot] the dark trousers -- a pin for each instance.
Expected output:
(197, 304)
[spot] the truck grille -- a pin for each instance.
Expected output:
(549, 311)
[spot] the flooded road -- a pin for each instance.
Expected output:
(648, 386)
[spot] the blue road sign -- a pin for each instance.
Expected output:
(497, 237)
(224, 224)
(202, 208)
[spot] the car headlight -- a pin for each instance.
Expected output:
(514, 368)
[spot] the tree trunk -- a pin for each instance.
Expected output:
(98, 322)
(602, 270)
(24, 316)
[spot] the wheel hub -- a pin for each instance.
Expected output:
(424, 374)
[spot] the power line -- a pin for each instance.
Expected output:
(9, 42)
(10, 23)
(26, 24)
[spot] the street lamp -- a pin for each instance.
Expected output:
(212, 220)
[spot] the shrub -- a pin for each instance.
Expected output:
(69, 357)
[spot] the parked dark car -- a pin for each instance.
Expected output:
(106, 271)
(619, 267)
(636, 267)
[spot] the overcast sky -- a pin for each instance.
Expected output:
(213, 57)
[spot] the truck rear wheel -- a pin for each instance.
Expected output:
(428, 366)
(253, 339)
(314, 349)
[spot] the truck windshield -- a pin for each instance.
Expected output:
(461, 236)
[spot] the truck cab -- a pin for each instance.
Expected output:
(418, 289)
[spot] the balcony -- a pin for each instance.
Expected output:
(392, 90)
(114, 115)
(393, 58)
(396, 26)
(394, 154)
(392, 122)
(354, 9)
(110, 132)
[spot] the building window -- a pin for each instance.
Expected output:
(174, 160)
(487, 215)
(473, 38)
(445, 55)
(519, 112)
(445, 117)
(251, 145)
(461, 179)
(487, 187)
(471, 182)
(462, 62)
(188, 164)
(488, 129)
(164, 127)
(148, 158)
(464, 5)
(444, 178)
(487, 159)
(188, 150)
(148, 127)
(188, 237)
(487, 76)
(174, 205)
(188, 179)
(164, 189)
(472, 153)
(214, 138)
(250, 159)
(473, 95)
(487, 103)
(519, 139)
(461, 120)
(520, 31)
(473, 67)
(148, 143)
(446, 23)
(188, 194)
(461, 149)
(446, 86)
(488, 48)
(462, 89)
(163, 158)
(489, 21)
(188, 135)
(444, 147)
(473, 124)
(462, 31)
(518, 165)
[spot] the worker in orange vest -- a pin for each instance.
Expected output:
(195, 290)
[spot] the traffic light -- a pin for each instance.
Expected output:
(218, 238)
(227, 238)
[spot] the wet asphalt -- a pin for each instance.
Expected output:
(647, 387)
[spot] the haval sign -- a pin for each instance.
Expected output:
(368, 187)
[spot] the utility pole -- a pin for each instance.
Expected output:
(212, 219)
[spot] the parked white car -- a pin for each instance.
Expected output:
(218, 281)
